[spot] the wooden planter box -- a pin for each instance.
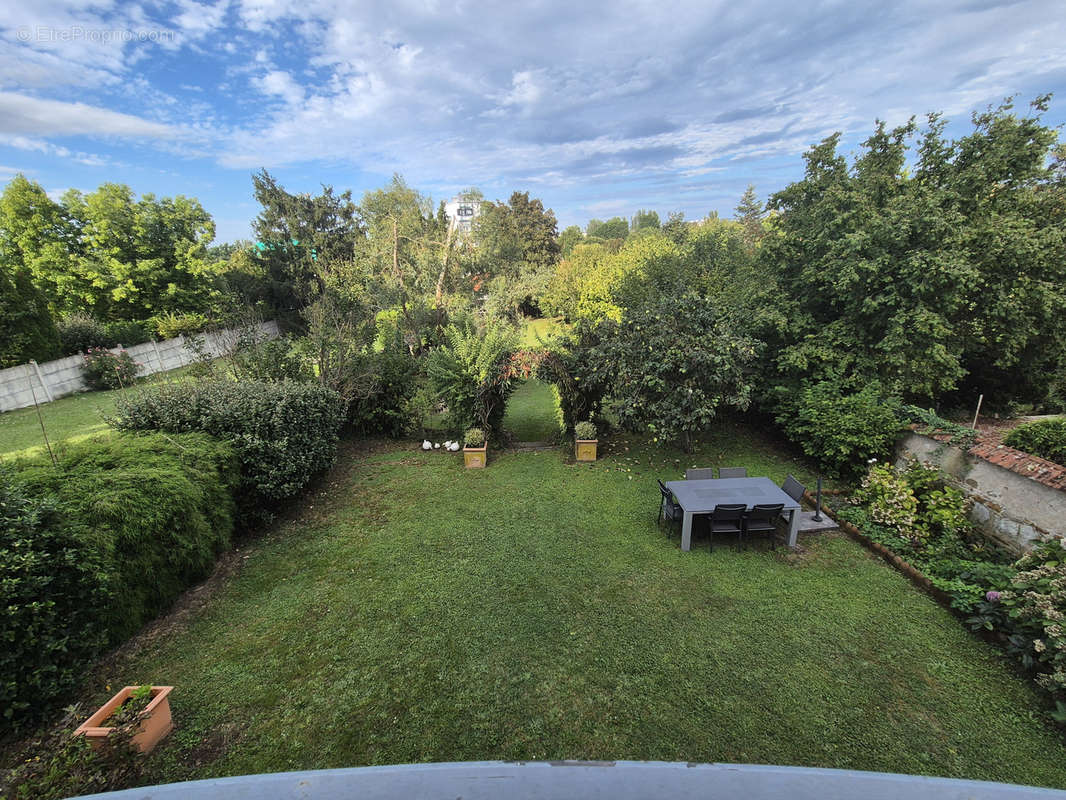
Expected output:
(155, 725)
(586, 449)
(476, 457)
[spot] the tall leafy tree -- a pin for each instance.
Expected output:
(675, 372)
(133, 259)
(749, 213)
(569, 238)
(928, 277)
(26, 327)
(644, 220)
(517, 250)
(293, 231)
(614, 228)
(412, 256)
(38, 235)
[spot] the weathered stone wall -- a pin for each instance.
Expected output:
(1013, 508)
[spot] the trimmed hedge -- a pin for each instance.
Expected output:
(95, 547)
(283, 433)
(1046, 438)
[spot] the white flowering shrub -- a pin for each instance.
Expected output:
(1037, 608)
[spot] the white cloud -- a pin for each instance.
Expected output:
(280, 84)
(24, 115)
(632, 96)
(32, 145)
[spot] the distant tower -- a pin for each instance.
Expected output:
(462, 213)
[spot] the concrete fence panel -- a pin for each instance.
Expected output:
(20, 386)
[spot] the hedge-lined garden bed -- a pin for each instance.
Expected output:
(920, 524)
(96, 545)
(99, 543)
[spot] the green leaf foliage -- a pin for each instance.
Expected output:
(674, 371)
(842, 429)
(98, 545)
(929, 265)
(104, 369)
(468, 373)
(26, 328)
(283, 433)
(1045, 438)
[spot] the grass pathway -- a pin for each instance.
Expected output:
(415, 611)
(532, 413)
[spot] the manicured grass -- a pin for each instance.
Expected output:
(536, 331)
(415, 611)
(532, 413)
(68, 419)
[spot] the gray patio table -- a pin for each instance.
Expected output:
(700, 497)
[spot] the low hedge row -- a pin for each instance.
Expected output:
(1045, 438)
(283, 433)
(94, 547)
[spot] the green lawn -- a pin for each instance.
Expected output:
(536, 331)
(531, 413)
(415, 611)
(67, 419)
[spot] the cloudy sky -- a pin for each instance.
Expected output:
(598, 108)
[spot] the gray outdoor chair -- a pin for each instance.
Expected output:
(794, 489)
(726, 518)
(668, 507)
(699, 473)
(732, 472)
(762, 519)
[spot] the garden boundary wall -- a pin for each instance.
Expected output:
(1017, 498)
(19, 386)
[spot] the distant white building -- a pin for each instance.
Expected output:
(462, 213)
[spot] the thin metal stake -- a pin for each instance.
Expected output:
(40, 419)
(818, 502)
(977, 413)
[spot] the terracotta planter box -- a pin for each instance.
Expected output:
(476, 457)
(586, 449)
(155, 725)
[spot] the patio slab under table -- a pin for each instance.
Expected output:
(700, 497)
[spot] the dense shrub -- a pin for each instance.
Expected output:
(95, 547)
(1037, 609)
(674, 373)
(80, 332)
(170, 326)
(127, 332)
(386, 410)
(579, 383)
(915, 514)
(283, 433)
(271, 360)
(842, 430)
(159, 508)
(468, 373)
(585, 430)
(52, 592)
(1046, 438)
(104, 369)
